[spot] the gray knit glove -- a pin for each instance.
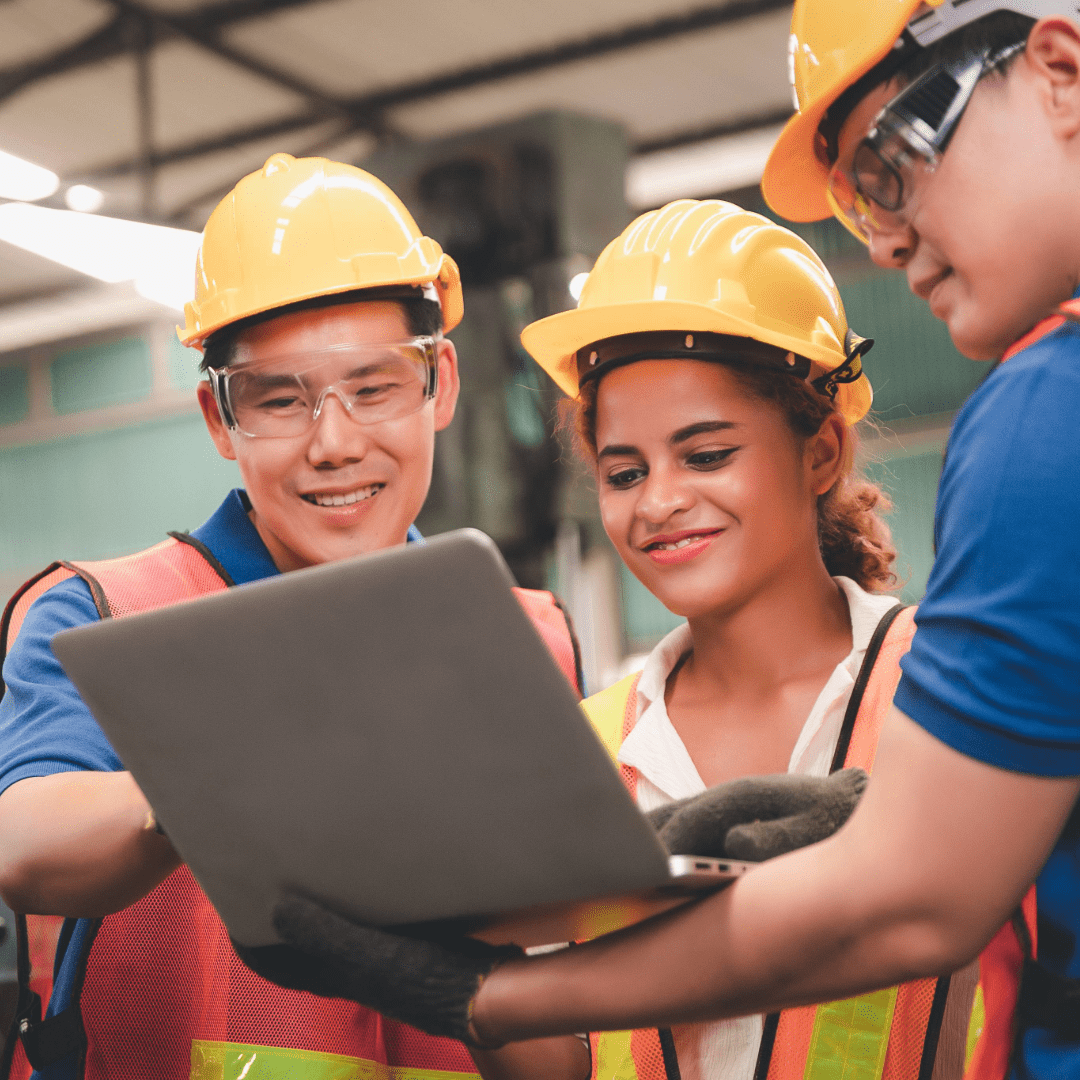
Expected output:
(428, 984)
(759, 817)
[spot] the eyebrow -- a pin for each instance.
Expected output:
(269, 381)
(701, 428)
(680, 436)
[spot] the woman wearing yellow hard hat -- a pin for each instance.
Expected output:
(714, 385)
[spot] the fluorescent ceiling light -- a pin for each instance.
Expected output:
(84, 198)
(24, 180)
(160, 260)
(710, 167)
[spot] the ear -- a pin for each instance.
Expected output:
(214, 424)
(446, 395)
(1053, 53)
(827, 454)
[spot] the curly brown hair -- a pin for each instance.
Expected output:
(854, 539)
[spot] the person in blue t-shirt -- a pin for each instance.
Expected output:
(947, 136)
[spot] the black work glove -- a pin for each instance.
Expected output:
(428, 984)
(759, 817)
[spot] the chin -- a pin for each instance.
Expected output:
(976, 344)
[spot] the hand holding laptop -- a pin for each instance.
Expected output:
(759, 817)
(432, 984)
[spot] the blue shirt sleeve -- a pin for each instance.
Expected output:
(994, 668)
(45, 727)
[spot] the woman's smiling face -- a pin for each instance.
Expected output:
(705, 491)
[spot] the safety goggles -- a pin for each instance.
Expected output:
(876, 192)
(281, 397)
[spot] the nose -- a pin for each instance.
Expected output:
(892, 247)
(336, 439)
(663, 494)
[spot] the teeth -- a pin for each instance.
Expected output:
(344, 500)
(680, 544)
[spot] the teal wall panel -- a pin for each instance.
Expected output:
(183, 365)
(911, 482)
(14, 394)
(93, 377)
(94, 496)
(645, 619)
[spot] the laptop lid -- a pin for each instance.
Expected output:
(388, 733)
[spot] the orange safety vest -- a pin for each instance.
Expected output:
(887, 1035)
(163, 995)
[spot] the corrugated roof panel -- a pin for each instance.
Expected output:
(352, 47)
(655, 90)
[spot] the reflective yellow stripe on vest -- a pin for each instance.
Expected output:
(851, 1037)
(606, 711)
(243, 1061)
(976, 1023)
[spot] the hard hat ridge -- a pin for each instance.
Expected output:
(705, 268)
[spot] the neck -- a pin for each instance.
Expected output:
(796, 624)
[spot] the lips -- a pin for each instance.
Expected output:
(925, 287)
(342, 498)
(679, 547)
(675, 541)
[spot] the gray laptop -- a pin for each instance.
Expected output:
(388, 734)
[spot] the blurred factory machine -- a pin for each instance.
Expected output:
(524, 208)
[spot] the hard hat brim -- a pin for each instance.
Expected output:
(193, 335)
(795, 181)
(552, 342)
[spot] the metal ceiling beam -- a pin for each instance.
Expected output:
(113, 39)
(709, 17)
(103, 44)
(207, 37)
(367, 111)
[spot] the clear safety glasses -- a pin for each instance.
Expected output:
(282, 396)
(874, 193)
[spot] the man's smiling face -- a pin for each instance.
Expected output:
(340, 488)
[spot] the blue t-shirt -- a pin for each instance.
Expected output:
(46, 728)
(994, 668)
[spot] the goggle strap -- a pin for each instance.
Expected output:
(851, 370)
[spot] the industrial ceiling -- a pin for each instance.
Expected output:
(163, 104)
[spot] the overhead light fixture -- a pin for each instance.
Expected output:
(709, 167)
(159, 260)
(24, 180)
(577, 283)
(85, 199)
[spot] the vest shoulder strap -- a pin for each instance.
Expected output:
(874, 687)
(607, 712)
(179, 568)
(552, 622)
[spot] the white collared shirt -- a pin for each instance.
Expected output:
(728, 1049)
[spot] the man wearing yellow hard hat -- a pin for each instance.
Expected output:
(320, 309)
(947, 136)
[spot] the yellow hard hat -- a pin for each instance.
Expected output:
(833, 44)
(306, 227)
(710, 267)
